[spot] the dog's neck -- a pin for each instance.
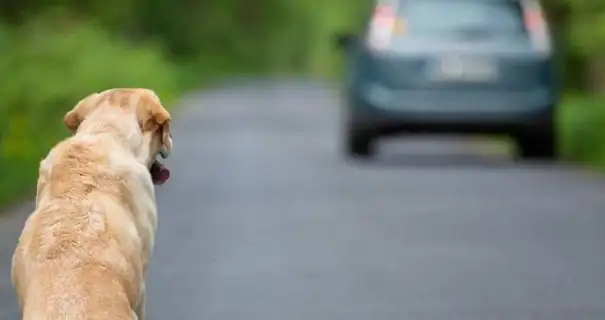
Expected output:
(127, 134)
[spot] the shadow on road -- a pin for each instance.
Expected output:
(447, 153)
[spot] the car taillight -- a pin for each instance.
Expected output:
(536, 25)
(381, 26)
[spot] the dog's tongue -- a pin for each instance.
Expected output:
(159, 173)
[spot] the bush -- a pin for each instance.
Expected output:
(47, 67)
(582, 129)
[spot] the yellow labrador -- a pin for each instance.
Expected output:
(83, 252)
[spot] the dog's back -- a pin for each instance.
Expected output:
(78, 251)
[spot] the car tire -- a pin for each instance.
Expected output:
(359, 143)
(538, 144)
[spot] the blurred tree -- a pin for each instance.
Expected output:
(581, 26)
(291, 36)
(259, 35)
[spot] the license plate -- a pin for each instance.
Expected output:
(453, 68)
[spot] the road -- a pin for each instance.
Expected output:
(264, 220)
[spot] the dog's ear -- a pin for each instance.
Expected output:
(153, 117)
(75, 116)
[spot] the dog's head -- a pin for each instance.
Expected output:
(141, 106)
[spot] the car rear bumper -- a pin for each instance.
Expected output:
(451, 111)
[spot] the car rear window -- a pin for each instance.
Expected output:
(440, 16)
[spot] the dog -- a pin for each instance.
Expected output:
(83, 252)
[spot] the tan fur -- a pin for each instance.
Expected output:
(83, 252)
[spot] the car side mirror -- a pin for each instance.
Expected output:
(344, 40)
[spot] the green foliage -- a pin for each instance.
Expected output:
(48, 68)
(586, 26)
(582, 129)
(217, 37)
(579, 26)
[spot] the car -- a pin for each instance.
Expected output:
(443, 66)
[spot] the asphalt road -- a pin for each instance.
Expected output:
(264, 220)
